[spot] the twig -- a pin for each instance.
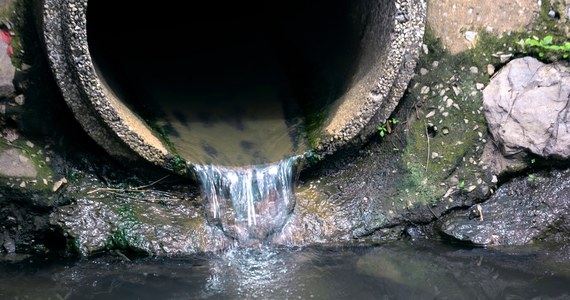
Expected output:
(428, 145)
(133, 190)
(416, 110)
(120, 254)
(431, 210)
(151, 184)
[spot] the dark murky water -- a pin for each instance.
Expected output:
(400, 270)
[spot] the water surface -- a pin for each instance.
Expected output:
(400, 270)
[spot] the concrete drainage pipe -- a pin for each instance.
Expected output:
(231, 83)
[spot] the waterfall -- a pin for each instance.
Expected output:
(248, 203)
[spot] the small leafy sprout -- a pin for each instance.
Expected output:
(386, 128)
(461, 189)
(179, 165)
(533, 180)
(382, 130)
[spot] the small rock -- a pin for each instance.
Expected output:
(435, 64)
(9, 245)
(424, 90)
(470, 36)
(425, 48)
(58, 184)
(423, 71)
(474, 70)
(490, 69)
(23, 158)
(10, 134)
(479, 86)
(430, 114)
(551, 13)
(19, 99)
(434, 155)
(505, 57)
(445, 131)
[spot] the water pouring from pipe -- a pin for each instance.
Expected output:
(248, 203)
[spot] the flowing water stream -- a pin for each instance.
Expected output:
(248, 203)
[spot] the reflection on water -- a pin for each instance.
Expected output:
(399, 270)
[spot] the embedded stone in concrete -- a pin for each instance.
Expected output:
(13, 163)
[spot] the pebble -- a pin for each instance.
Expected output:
(19, 99)
(456, 90)
(423, 71)
(470, 36)
(474, 70)
(490, 69)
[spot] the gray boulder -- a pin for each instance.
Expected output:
(526, 106)
(521, 212)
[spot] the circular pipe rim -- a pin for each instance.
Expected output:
(125, 136)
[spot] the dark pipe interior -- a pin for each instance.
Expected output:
(187, 69)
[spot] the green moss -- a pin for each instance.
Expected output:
(447, 124)
(39, 160)
(313, 127)
(490, 47)
(122, 237)
(25, 42)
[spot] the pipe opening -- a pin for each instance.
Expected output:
(236, 83)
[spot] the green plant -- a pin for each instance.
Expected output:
(545, 47)
(461, 185)
(386, 127)
(533, 180)
(179, 164)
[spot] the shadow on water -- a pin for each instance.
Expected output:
(400, 270)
